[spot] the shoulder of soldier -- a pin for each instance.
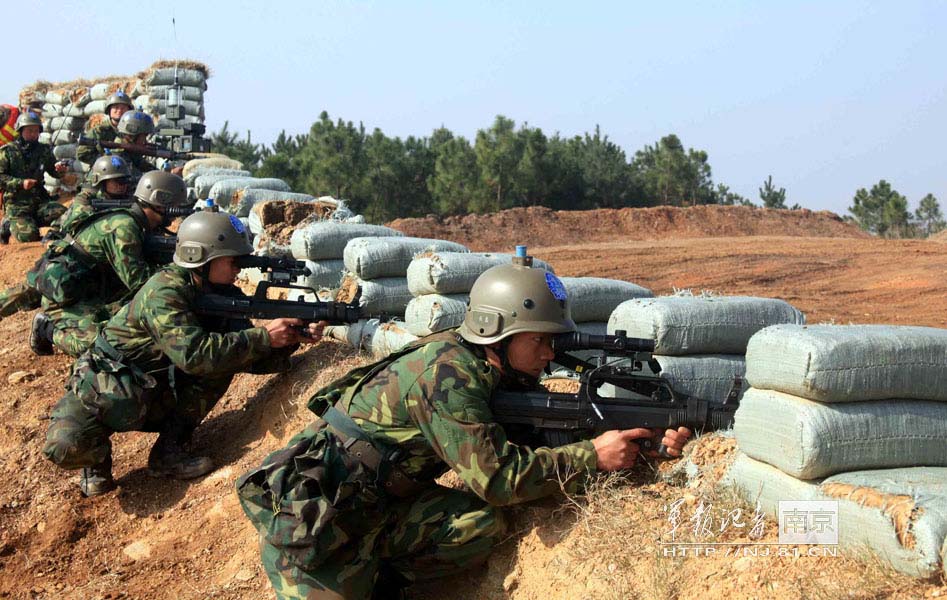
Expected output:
(171, 285)
(442, 358)
(104, 128)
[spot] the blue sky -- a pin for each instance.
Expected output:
(825, 96)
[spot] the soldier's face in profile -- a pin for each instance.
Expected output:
(30, 133)
(223, 271)
(116, 111)
(530, 352)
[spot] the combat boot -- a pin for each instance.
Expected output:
(5, 231)
(168, 458)
(97, 479)
(41, 335)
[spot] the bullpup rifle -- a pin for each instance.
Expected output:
(556, 418)
(143, 149)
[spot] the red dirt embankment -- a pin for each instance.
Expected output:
(538, 226)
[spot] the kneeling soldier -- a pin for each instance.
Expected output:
(158, 365)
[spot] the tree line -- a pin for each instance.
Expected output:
(504, 166)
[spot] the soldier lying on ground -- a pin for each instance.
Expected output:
(159, 366)
(89, 274)
(26, 203)
(349, 508)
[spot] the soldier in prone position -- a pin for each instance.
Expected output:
(158, 365)
(26, 203)
(349, 508)
(86, 277)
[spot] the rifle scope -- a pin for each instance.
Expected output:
(618, 344)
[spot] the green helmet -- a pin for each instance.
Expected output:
(109, 167)
(207, 235)
(28, 118)
(119, 97)
(515, 298)
(135, 122)
(160, 189)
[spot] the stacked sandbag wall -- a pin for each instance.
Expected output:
(854, 414)
(700, 341)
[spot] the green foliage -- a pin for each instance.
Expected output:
(930, 219)
(666, 174)
(504, 167)
(227, 142)
(771, 197)
(882, 211)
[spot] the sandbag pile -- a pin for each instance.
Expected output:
(322, 244)
(856, 414)
(73, 107)
(700, 340)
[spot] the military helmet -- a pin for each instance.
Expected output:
(207, 235)
(119, 97)
(514, 298)
(161, 189)
(109, 167)
(28, 118)
(135, 122)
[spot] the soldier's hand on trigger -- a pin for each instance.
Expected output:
(616, 449)
(29, 184)
(283, 332)
(62, 166)
(674, 439)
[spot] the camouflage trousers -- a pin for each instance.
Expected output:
(27, 216)
(441, 532)
(104, 396)
(327, 528)
(18, 297)
(76, 326)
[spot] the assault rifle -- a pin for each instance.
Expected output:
(160, 249)
(143, 149)
(170, 212)
(259, 306)
(562, 418)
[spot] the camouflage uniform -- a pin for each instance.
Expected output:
(328, 526)
(27, 209)
(156, 366)
(115, 239)
(105, 132)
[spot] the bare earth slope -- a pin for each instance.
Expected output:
(160, 539)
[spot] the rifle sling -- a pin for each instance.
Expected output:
(360, 446)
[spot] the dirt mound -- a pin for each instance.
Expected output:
(538, 226)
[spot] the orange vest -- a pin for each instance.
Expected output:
(7, 131)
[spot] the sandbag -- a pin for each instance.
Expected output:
(324, 273)
(51, 110)
(96, 107)
(454, 273)
(263, 245)
(327, 239)
(243, 200)
(809, 439)
(185, 77)
(388, 296)
(57, 97)
(848, 363)
(899, 515)
(64, 136)
(374, 257)
(100, 91)
(224, 190)
(70, 123)
(595, 298)
(681, 325)
(190, 106)
(204, 183)
(71, 110)
(192, 94)
(431, 313)
(380, 339)
(64, 151)
(165, 123)
(46, 138)
(190, 177)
